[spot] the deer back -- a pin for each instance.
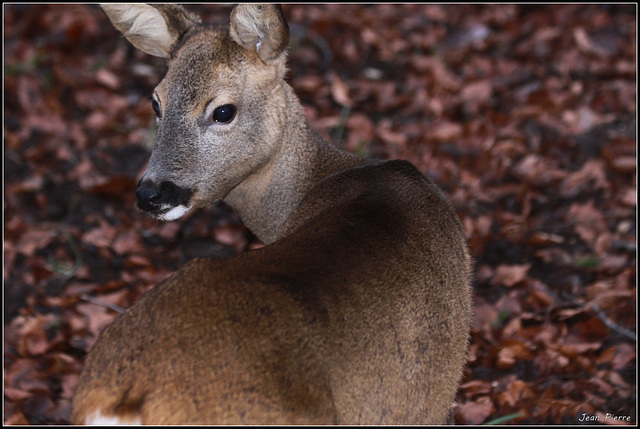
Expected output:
(356, 312)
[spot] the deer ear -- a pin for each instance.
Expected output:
(153, 29)
(262, 28)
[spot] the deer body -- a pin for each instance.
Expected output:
(358, 309)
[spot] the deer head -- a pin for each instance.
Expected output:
(220, 107)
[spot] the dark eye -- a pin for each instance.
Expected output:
(224, 114)
(156, 107)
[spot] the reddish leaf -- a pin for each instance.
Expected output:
(512, 351)
(476, 412)
(510, 275)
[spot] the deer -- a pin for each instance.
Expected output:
(357, 309)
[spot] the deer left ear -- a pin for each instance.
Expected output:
(153, 29)
(260, 28)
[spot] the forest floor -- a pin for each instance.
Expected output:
(524, 115)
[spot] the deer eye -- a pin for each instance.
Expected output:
(156, 108)
(224, 114)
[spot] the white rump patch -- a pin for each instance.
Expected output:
(175, 213)
(98, 419)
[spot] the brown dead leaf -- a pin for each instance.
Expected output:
(599, 385)
(98, 120)
(510, 303)
(474, 388)
(168, 230)
(625, 354)
(33, 338)
(511, 351)
(476, 412)
(552, 361)
(442, 76)
(629, 197)
(384, 131)
(232, 236)
(117, 187)
(138, 261)
(476, 94)
(26, 375)
(547, 334)
(567, 313)
(577, 349)
(484, 315)
(586, 44)
(101, 236)
(591, 176)
(98, 318)
(538, 170)
(540, 293)
(69, 383)
(542, 238)
(34, 239)
(16, 394)
(615, 379)
(606, 356)
(582, 120)
(546, 401)
(16, 419)
(108, 79)
(625, 164)
(444, 131)
(510, 275)
(361, 130)
(86, 175)
(340, 91)
(590, 327)
(513, 327)
(588, 219)
(555, 255)
(127, 242)
(517, 391)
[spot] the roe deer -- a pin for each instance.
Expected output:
(356, 311)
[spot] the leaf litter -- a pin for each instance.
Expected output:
(524, 114)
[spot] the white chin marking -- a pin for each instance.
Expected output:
(98, 419)
(175, 213)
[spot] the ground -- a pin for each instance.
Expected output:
(524, 114)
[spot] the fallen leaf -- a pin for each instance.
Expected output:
(108, 79)
(511, 351)
(517, 391)
(476, 412)
(591, 176)
(625, 354)
(101, 236)
(340, 91)
(510, 275)
(576, 349)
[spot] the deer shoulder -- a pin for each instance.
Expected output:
(356, 311)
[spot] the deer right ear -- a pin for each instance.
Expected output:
(152, 29)
(261, 28)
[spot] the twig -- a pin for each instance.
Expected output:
(340, 128)
(102, 303)
(602, 316)
(619, 329)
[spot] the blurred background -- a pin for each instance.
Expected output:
(524, 115)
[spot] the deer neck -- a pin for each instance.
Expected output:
(266, 198)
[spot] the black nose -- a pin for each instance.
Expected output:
(147, 198)
(154, 198)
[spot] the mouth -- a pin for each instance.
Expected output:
(167, 213)
(166, 201)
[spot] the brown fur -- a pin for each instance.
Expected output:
(358, 311)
